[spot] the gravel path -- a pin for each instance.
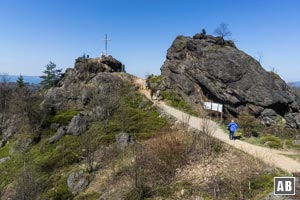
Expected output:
(267, 155)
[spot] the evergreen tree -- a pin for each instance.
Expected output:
(52, 75)
(20, 82)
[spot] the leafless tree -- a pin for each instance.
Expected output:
(223, 31)
(5, 95)
(90, 143)
(260, 57)
(28, 186)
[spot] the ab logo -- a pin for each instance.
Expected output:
(284, 185)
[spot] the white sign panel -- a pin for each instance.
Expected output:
(207, 105)
(213, 106)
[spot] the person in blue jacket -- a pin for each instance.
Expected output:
(232, 127)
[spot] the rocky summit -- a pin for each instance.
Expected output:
(89, 78)
(206, 68)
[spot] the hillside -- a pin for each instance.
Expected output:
(95, 136)
(51, 133)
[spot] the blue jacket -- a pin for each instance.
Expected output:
(232, 126)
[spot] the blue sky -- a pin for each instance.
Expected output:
(34, 32)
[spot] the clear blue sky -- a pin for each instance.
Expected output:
(33, 32)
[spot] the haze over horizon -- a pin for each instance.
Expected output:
(36, 32)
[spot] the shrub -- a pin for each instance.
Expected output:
(250, 125)
(59, 190)
(171, 150)
(64, 117)
(264, 180)
(157, 161)
(272, 141)
(290, 144)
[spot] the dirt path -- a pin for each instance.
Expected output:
(267, 155)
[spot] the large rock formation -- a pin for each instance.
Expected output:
(88, 79)
(207, 68)
(90, 88)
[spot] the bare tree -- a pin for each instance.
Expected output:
(223, 31)
(90, 144)
(5, 96)
(28, 186)
(260, 56)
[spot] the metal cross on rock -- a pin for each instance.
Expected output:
(106, 40)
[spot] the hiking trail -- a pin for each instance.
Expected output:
(269, 156)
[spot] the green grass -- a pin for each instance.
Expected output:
(59, 189)
(10, 169)
(4, 151)
(49, 157)
(90, 196)
(130, 118)
(157, 80)
(173, 99)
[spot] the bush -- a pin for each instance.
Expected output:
(59, 190)
(157, 161)
(272, 141)
(64, 117)
(290, 144)
(264, 180)
(250, 125)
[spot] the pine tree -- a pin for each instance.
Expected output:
(52, 75)
(20, 82)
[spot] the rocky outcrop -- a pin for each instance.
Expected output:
(88, 78)
(59, 134)
(204, 69)
(77, 182)
(293, 120)
(77, 125)
(123, 140)
(91, 86)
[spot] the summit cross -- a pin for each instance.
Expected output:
(106, 40)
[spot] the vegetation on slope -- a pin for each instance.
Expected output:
(52, 162)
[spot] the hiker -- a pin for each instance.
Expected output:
(232, 127)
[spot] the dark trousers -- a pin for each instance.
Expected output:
(231, 135)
